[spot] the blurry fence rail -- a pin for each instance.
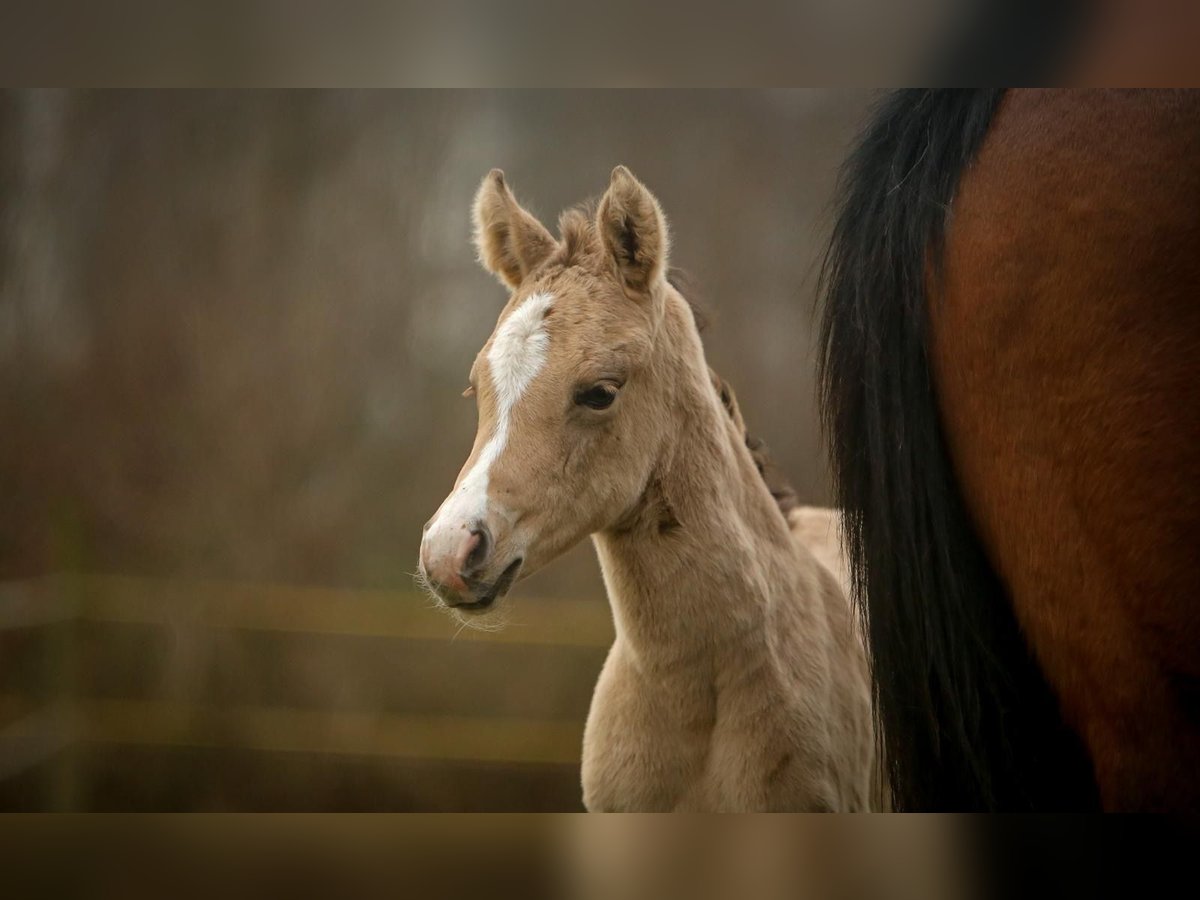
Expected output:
(141, 693)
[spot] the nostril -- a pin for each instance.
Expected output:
(482, 540)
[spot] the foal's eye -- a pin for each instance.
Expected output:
(598, 396)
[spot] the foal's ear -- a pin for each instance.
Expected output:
(510, 241)
(634, 231)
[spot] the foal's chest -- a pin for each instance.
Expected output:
(648, 740)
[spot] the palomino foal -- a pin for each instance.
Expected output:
(737, 680)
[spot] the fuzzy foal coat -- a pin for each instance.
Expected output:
(737, 680)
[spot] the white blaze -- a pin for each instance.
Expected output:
(517, 354)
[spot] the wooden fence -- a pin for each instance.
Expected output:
(151, 694)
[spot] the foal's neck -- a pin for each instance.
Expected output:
(693, 566)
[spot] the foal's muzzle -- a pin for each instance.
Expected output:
(458, 565)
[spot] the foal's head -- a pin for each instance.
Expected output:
(574, 401)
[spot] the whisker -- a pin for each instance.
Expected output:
(493, 622)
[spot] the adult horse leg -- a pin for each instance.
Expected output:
(1065, 346)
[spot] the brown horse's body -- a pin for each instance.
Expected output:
(1066, 353)
(1011, 376)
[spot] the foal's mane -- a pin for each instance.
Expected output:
(780, 488)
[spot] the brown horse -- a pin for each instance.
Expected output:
(1011, 381)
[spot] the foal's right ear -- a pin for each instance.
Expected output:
(510, 241)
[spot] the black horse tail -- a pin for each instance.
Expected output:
(967, 721)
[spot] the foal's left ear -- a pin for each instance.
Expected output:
(511, 242)
(634, 231)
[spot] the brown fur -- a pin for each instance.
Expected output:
(1066, 356)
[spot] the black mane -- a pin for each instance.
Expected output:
(967, 720)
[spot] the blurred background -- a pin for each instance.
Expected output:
(234, 328)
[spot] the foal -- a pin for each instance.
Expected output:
(737, 680)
